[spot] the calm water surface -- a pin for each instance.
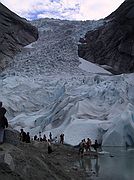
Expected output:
(114, 164)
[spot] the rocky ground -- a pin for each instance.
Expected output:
(23, 161)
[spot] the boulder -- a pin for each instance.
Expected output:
(11, 136)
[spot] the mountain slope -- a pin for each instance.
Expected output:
(113, 43)
(56, 49)
(15, 32)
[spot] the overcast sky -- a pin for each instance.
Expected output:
(63, 9)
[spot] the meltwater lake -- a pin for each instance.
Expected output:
(114, 163)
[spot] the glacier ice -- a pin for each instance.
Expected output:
(100, 108)
(47, 87)
(121, 133)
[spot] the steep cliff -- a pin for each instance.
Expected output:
(113, 43)
(15, 32)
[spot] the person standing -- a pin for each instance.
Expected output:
(40, 138)
(35, 138)
(81, 147)
(49, 146)
(88, 144)
(22, 135)
(3, 122)
(27, 137)
(50, 136)
(95, 145)
(62, 138)
(44, 138)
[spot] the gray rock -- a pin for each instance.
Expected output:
(11, 136)
(6, 158)
(9, 160)
(113, 43)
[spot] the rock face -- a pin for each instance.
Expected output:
(113, 43)
(15, 32)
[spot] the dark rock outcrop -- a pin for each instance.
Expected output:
(15, 32)
(113, 43)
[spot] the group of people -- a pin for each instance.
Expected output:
(3, 122)
(36, 138)
(49, 145)
(24, 137)
(86, 146)
(56, 140)
(44, 138)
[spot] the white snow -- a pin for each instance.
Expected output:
(90, 67)
(48, 87)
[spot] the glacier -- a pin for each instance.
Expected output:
(47, 87)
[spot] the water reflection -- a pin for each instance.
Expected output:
(90, 165)
(85, 164)
(97, 167)
(113, 164)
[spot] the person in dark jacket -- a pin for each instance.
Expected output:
(27, 138)
(49, 146)
(35, 138)
(95, 145)
(3, 122)
(22, 135)
(62, 138)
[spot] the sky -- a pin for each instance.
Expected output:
(63, 9)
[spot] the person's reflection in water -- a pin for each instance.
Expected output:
(85, 164)
(88, 164)
(97, 167)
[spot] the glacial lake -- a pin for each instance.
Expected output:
(113, 164)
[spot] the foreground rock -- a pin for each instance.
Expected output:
(31, 161)
(113, 43)
(15, 32)
(11, 136)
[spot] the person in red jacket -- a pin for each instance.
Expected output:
(3, 122)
